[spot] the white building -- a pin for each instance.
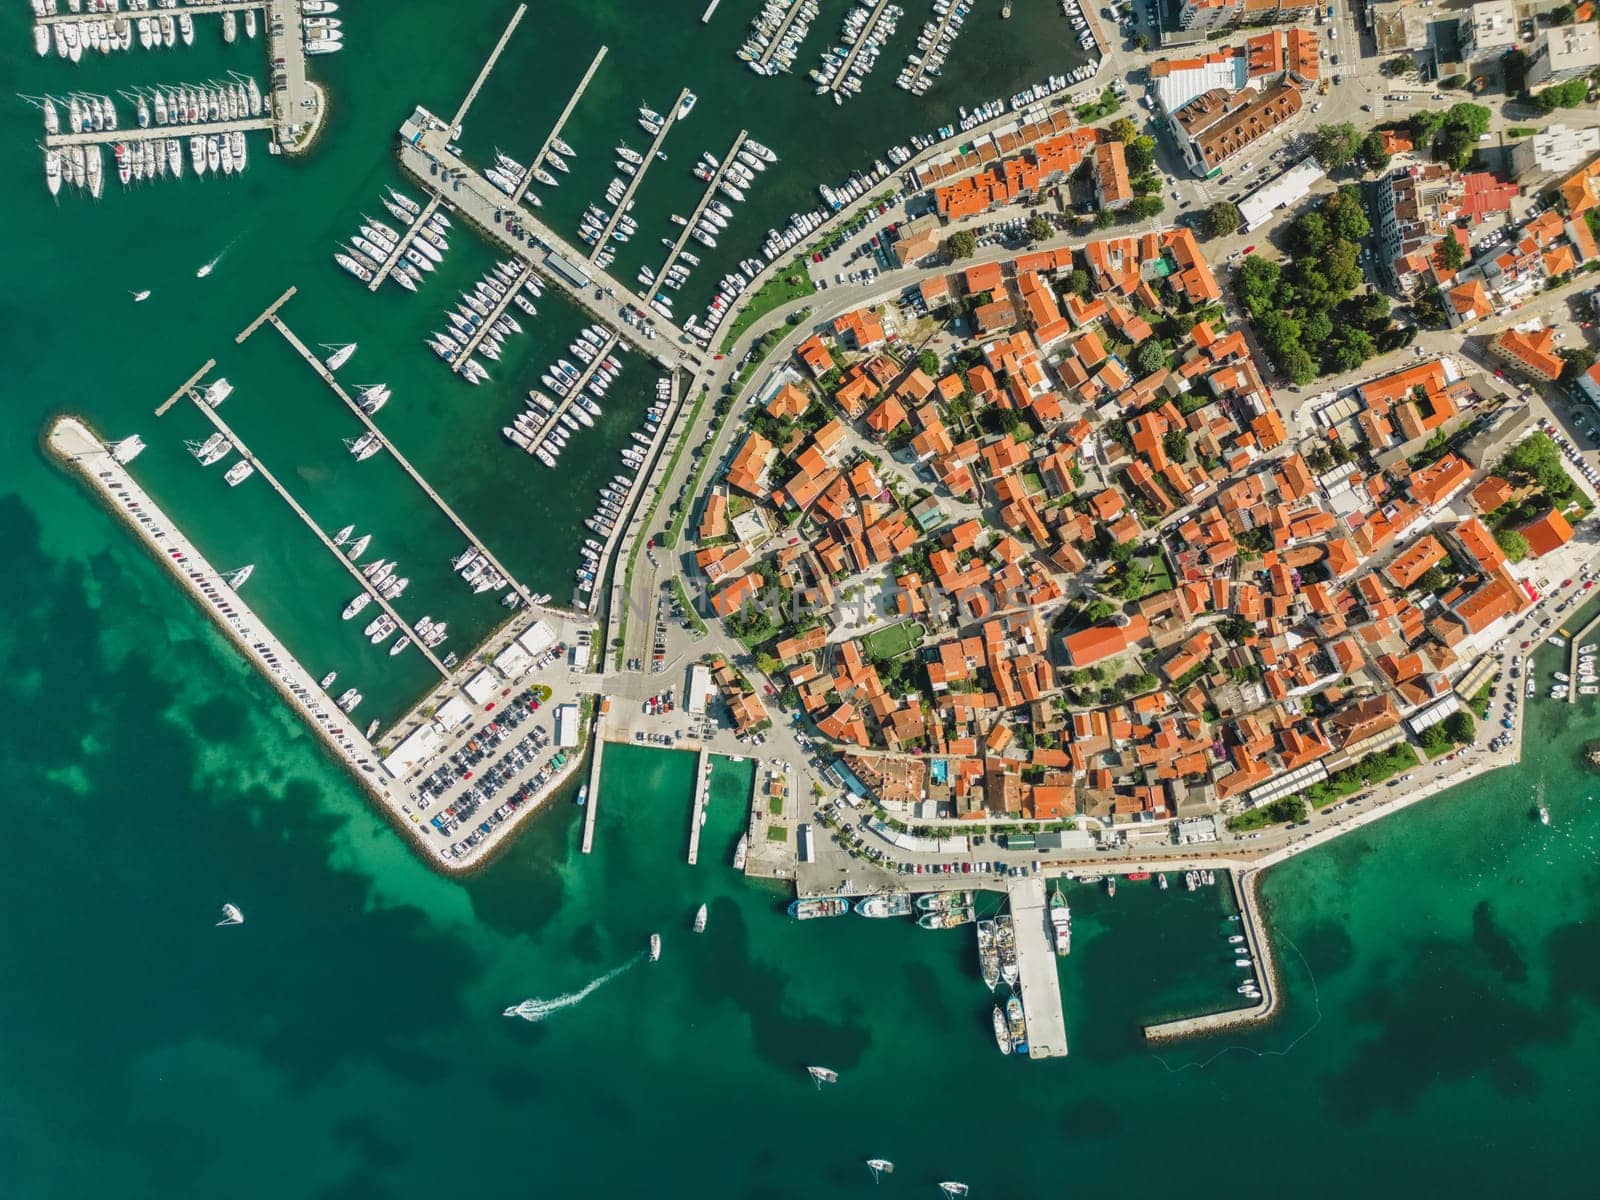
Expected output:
(1555, 150)
(482, 686)
(537, 638)
(417, 747)
(1488, 31)
(1293, 186)
(1563, 53)
(700, 690)
(566, 725)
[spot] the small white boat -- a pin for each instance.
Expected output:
(340, 356)
(231, 915)
(700, 919)
(655, 946)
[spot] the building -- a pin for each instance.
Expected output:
(1112, 188)
(1283, 55)
(700, 691)
(1589, 384)
(1554, 150)
(566, 725)
(1562, 53)
(1293, 186)
(917, 239)
(1529, 352)
(1487, 31)
(1399, 26)
(1197, 16)
(1214, 127)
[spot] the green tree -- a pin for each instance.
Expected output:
(961, 244)
(1574, 362)
(1514, 68)
(1176, 443)
(1298, 365)
(1039, 228)
(1434, 738)
(1140, 154)
(1334, 146)
(1450, 252)
(1145, 207)
(1222, 219)
(1513, 543)
(1123, 130)
(1373, 154)
(928, 360)
(1079, 283)
(1400, 64)
(1433, 580)
(1571, 94)
(1150, 357)
(1460, 727)
(1105, 219)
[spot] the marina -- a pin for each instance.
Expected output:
(187, 385)
(407, 237)
(678, 109)
(844, 67)
(781, 41)
(513, 288)
(575, 392)
(934, 43)
(706, 198)
(554, 135)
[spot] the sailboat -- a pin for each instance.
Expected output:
(822, 1075)
(879, 1166)
(951, 1188)
(141, 297)
(343, 535)
(236, 579)
(231, 915)
(340, 355)
(700, 919)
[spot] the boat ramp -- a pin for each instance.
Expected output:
(668, 120)
(1036, 964)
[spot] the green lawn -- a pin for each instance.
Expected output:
(775, 293)
(893, 640)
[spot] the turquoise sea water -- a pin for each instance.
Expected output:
(1443, 967)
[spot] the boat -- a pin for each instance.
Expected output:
(1002, 1030)
(988, 954)
(1111, 885)
(811, 908)
(356, 605)
(943, 901)
(951, 1188)
(401, 644)
(359, 546)
(1017, 1024)
(822, 1075)
(1544, 815)
(687, 106)
(655, 947)
(890, 904)
(741, 852)
(340, 356)
(239, 472)
(1061, 923)
(1138, 876)
(327, 680)
(583, 795)
(946, 920)
(700, 919)
(880, 1166)
(231, 915)
(141, 297)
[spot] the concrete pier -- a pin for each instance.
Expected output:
(194, 10)
(1258, 940)
(261, 320)
(933, 44)
(668, 120)
(1036, 963)
(1573, 643)
(706, 198)
(496, 311)
(483, 73)
(836, 81)
(405, 464)
(153, 133)
(401, 246)
(592, 799)
(161, 409)
(702, 786)
(355, 571)
(561, 123)
(298, 105)
(563, 403)
(778, 34)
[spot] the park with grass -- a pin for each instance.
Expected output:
(893, 640)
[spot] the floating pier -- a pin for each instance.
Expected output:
(483, 72)
(561, 123)
(702, 787)
(156, 133)
(835, 84)
(1036, 963)
(706, 198)
(362, 581)
(405, 463)
(933, 46)
(400, 248)
(482, 331)
(266, 313)
(779, 33)
(161, 409)
(592, 798)
(1573, 643)
(668, 120)
(553, 421)
(198, 10)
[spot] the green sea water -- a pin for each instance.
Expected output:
(1443, 966)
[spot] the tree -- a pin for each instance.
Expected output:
(1150, 357)
(1222, 219)
(928, 360)
(1400, 64)
(1433, 580)
(1513, 543)
(962, 244)
(1123, 130)
(1039, 228)
(1575, 361)
(1571, 94)
(1514, 67)
(767, 664)
(1450, 251)
(1176, 443)
(1373, 154)
(1104, 219)
(1335, 145)
(1145, 207)
(1079, 283)
(1140, 154)
(1460, 727)
(1298, 365)
(1434, 738)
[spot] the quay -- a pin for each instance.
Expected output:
(668, 120)
(561, 123)
(1573, 643)
(161, 409)
(553, 421)
(355, 571)
(296, 96)
(702, 786)
(153, 133)
(249, 329)
(477, 201)
(198, 10)
(778, 34)
(699, 209)
(933, 45)
(705, 17)
(592, 800)
(483, 72)
(482, 331)
(405, 463)
(1036, 963)
(1266, 973)
(836, 83)
(401, 246)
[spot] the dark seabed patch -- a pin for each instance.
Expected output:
(1498, 951)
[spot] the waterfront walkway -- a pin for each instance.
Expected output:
(1036, 963)
(668, 120)
(561, 123)
(405, 464)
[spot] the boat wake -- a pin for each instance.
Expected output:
(1316, 1003)
(538, 1010)
(207, 268)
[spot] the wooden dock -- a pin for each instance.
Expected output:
(483, 73)
(161, 409)
(1036, 963)
(668, 120)
(355, 571)
(265, 315)
(401, 246)
(154, 133)
(706, 198)
(495, 313)
(561, 123)
(702, 788)
(592, 797)
(835, 83)
(405, 463)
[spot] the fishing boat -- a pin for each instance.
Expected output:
(1111, 885)
(946, 920)
(1002, 1031)
(1061, 923)
(700, 916)
(1017, 1024)
(655, 947)
(892, 904)
(988, 954)
(943, 901)
(813, 907)
(231, 915)
(822, 1075)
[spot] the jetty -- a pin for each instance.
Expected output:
(592, 800)
(484, 71)
(1036, 963)
(295, 98)
(198, 10)
(705, 17)
(779, 34)
(161, 409)
(706, 198)
(401, 246)
(702, 788)
(668, 120)
(405, 464)
(261, 320)
(155, 133)
(552, 422)
(835, 82)
(513, 288)
(1266, 975)
(924, 56)
(355, 572)
(1574, 642)
(561, 123)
